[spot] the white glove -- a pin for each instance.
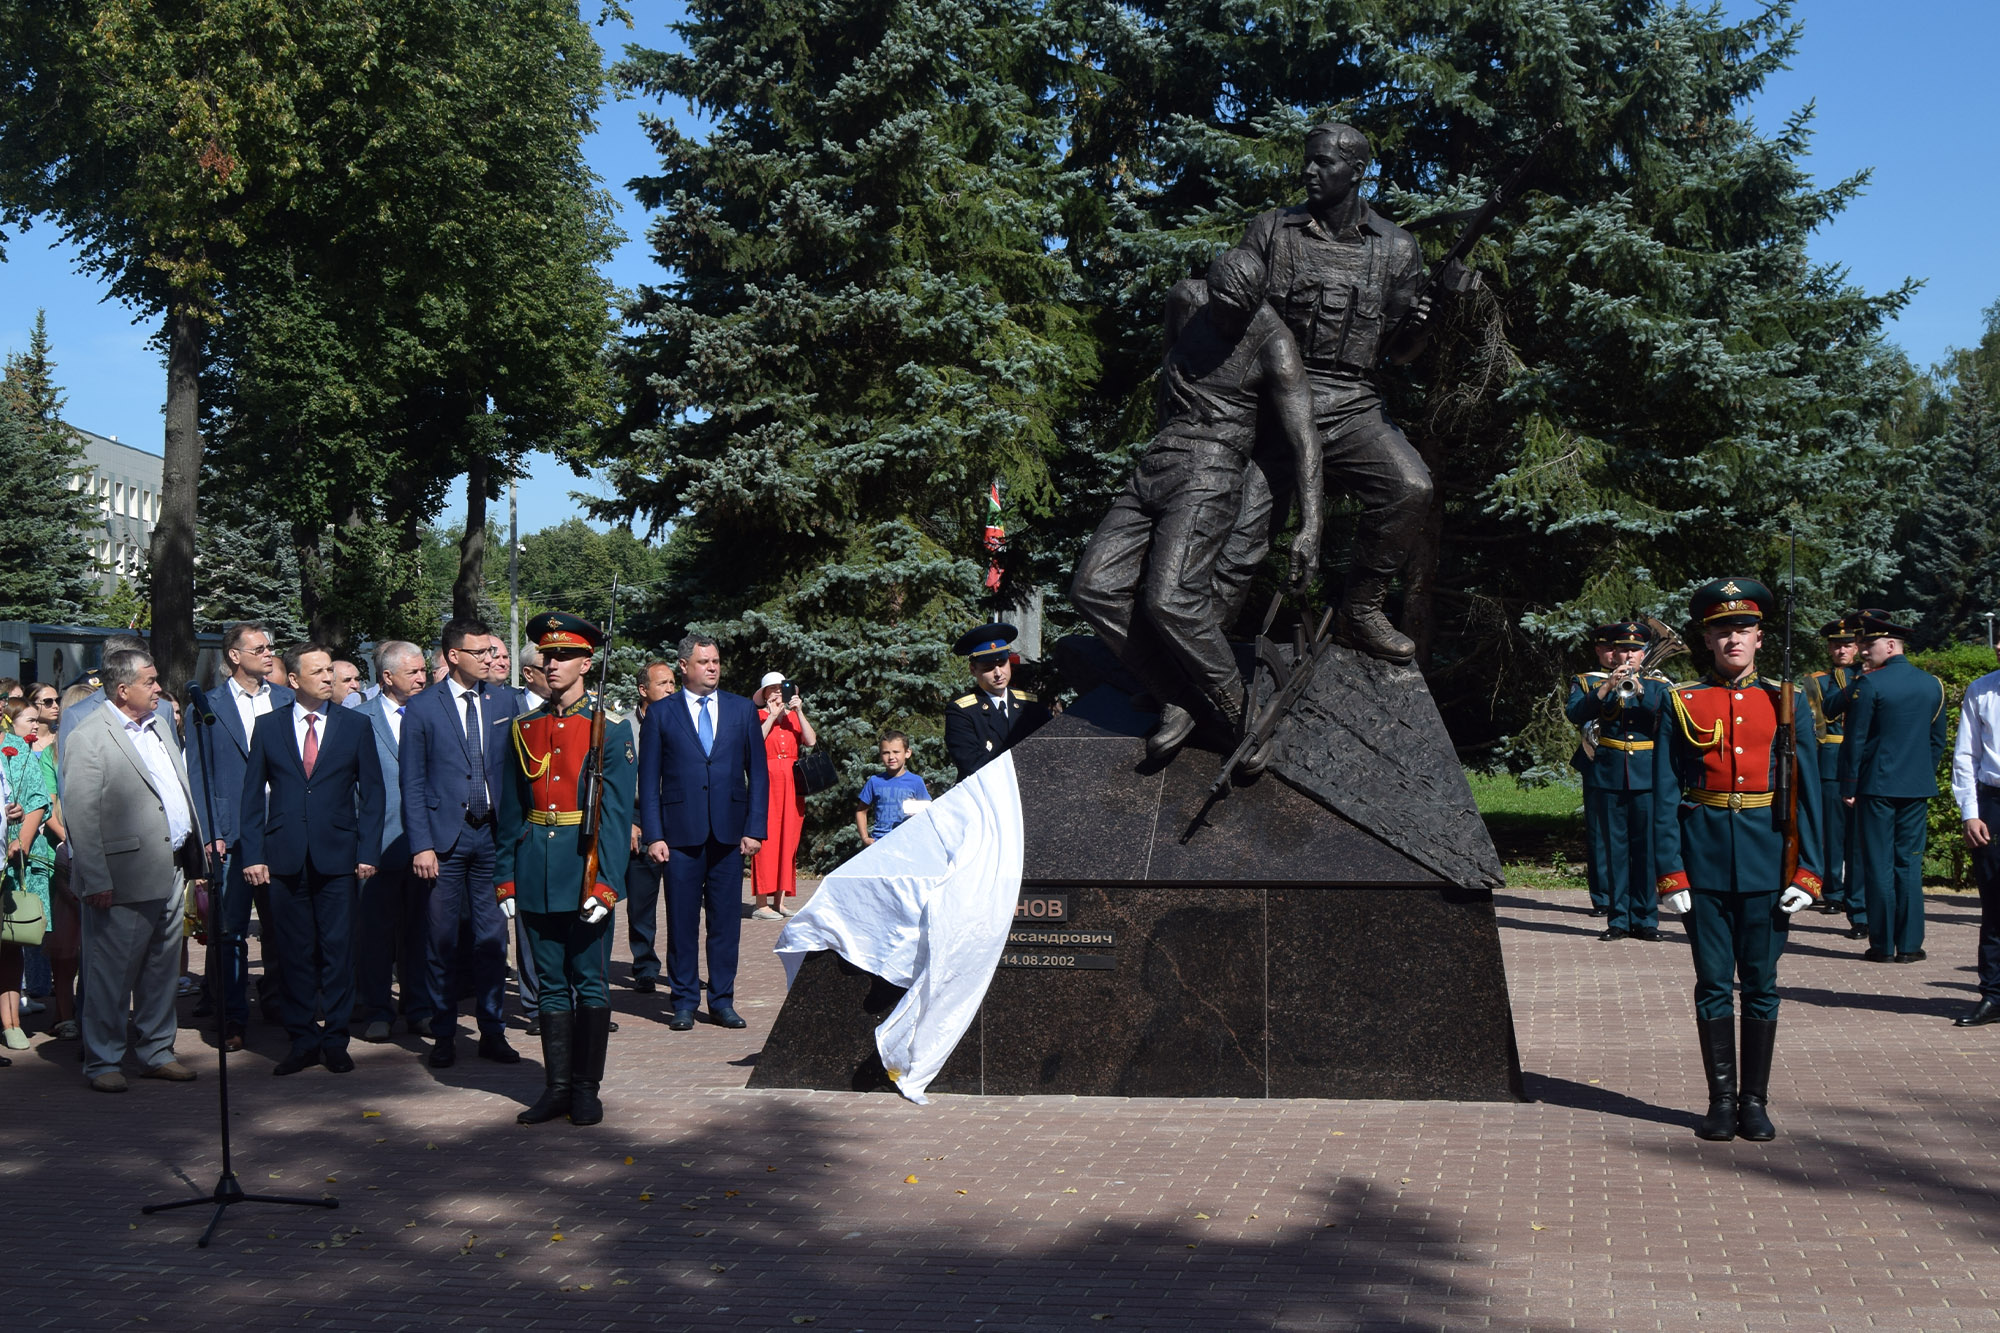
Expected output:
(593, 911)
(507, 908)
(1793, 899)
(1680, 902)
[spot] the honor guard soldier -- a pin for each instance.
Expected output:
(982, 725)
(1723, 847)
(1888, 774)
(545, 851)
(1620, 716)
(1831, 693)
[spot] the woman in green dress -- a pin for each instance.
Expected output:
(27, 788)
(63, 945)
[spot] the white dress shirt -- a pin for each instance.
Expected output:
(459, 694)
(394, 712)
(250, 707)
(999, 701)
(160, 768)
(1975, 759)
(694, 710)
(300, 712)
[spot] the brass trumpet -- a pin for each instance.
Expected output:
(1666, 645)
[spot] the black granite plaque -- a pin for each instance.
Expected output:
(1327, 931)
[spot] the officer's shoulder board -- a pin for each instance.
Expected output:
(1022, 695)
(966, 701)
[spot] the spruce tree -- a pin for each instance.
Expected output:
(47, 573)
(1952, 569)
(861, 326)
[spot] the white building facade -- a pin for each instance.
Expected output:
(126, 485)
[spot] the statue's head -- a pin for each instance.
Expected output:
(1337, 157)
(1235, 288)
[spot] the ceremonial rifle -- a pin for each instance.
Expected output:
(590, 792)
(1788, 739)
(1451, 273)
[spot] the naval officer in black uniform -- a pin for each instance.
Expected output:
(995, 717)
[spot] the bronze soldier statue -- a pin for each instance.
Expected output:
(1148, 580)
(1350, 285)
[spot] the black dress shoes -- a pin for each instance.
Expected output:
(298, 1060)
(1876, 956)
(726, 1016)
(682, 1021)
(535, 1026)
(645, 985)
(1857, 932)
(337, 1062)
(1615, 934)
(1986, 1011)
(494, 1047)
(444, 1053)
(1598, 911)
(1913, 956)
(1649, 934)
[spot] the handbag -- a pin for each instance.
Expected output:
(814, 773)
(22, 920)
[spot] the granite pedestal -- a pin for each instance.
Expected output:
(1325, 931)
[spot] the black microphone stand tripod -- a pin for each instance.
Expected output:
(228, 1189)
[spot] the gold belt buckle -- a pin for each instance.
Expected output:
(1736, 800)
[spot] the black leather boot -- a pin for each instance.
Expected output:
(1718, 1060)
(1176, 725)
(1760, 1036)
(1363, 624)
(593, 1035)
(558, 1026)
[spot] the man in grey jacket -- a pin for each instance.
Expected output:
(131, 818)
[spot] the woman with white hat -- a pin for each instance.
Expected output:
(773, 878)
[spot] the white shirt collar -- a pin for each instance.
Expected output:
(241, 693)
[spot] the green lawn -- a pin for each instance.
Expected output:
(1538, 831)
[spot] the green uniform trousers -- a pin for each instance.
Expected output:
(1619, 829)
(1843, 880)
(1737, 938)
(570, 959)
(1893, 830)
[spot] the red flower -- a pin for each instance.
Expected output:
(10, 752)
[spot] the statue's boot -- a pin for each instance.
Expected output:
(1718, 1060)
(593, 1035)
(558, 1025)
(1364, 625)
(1753, 1122)
(1176, 725)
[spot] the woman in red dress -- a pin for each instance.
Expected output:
(773, 877)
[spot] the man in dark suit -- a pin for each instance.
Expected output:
(1888, 774)
(703, 794)
(454, 735)
(218, 749)
(311, 828)
(393, 931)
(995, 717)
(644, 877)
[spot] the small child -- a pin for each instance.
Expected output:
(885, 792)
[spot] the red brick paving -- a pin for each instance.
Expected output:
(1592, 1208)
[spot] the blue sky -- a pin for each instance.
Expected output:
(1906, 90)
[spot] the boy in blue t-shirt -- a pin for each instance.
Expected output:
(884, 793)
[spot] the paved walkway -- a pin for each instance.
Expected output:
(701, 1205)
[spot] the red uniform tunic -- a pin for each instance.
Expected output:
(773, 869)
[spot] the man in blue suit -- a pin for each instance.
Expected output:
(454, 741)
(703, 794)
(1888, 774)
(315, 834)
(392, 936)
(219, 727)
